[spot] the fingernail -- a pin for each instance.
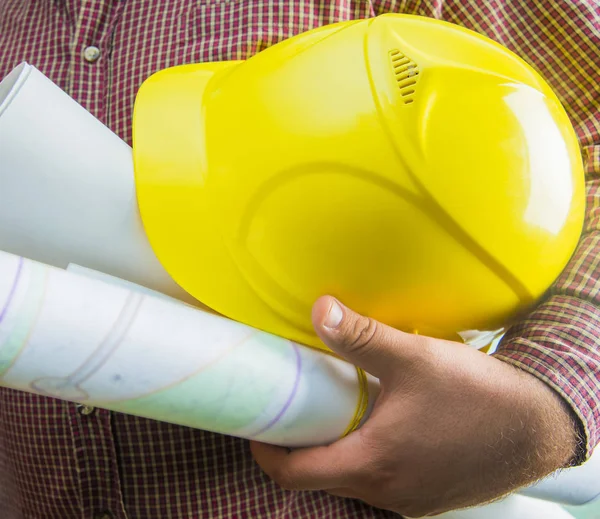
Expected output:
(334, 316)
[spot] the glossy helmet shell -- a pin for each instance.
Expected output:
(421, 173)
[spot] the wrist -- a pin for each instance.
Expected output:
(553, 431)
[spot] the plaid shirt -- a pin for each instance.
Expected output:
(59, 461)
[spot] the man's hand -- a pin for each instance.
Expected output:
(452, 427)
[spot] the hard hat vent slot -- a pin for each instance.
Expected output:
(406, 73)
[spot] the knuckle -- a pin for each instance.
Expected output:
(362, 333)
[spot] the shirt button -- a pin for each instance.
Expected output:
(91, 53)
(104, 515)
(85, 410)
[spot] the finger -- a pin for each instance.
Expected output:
(317, 468)
(373, 346)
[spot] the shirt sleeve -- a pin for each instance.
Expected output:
(559, 342)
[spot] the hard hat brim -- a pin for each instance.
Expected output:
(169, 161)
(171, 166)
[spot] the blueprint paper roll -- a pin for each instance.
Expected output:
(512, 507)
(576, 486)
(67, 191)
(80, 339)
(67, 198)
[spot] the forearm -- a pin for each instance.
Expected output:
(559, 342)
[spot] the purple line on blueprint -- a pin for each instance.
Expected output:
(12, 290)
(292, 394)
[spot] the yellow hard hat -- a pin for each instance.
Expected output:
(421, 173)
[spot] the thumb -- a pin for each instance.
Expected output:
(364, 342)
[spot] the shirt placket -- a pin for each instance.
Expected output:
(96, 463)
(89, 70)
(93, 441)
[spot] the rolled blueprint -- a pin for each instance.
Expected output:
(512, 507)
(80, 339)
(67, 191)
(576, 486)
